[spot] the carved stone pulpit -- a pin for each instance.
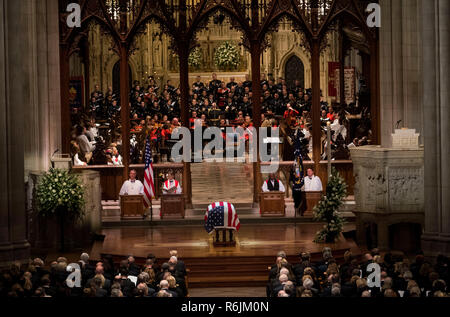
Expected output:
(388, 191)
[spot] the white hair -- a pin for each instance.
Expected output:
(282, 293)
(173, 259)
(164, 284)
(335, 291)
(284, 271)
(365, 294)
(84, 257)
(283, 278)
(308, 283)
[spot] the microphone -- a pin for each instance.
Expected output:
(51, 158)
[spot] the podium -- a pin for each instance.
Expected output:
(131, 206)
(312, 198)
(272, 204)
(172, 205)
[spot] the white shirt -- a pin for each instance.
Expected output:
(338, 129)
(168, 184)
(132, 188)
(77, 161)
(312, 184)
(265, 188)
(85, 145)
(117, 160)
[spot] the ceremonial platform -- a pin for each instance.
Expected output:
(245, 264)
(257, 242)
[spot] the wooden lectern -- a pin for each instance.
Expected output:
(272, 204)
(312, 198)
(172, 205)
(131, 206)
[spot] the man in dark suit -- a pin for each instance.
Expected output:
(155, 264)
(126, 285)
(133, 268)
(40, 271)
(164, 286)
(180, 267)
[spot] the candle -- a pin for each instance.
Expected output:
(329, 148)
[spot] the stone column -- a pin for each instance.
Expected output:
(42, 135)
(436, 106)
(400, 66)
(14, 99)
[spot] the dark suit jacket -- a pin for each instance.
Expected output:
(134, 269)
(174, 294)
(101, 293)
(106, 285)
(181, 268)
(127, 287)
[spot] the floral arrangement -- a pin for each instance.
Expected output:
(60, 191)
(327, 208)
(195, 58)
(226, 56)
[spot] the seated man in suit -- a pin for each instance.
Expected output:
(171, 185)
(180, 267)
(273, 184)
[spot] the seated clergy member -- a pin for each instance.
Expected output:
(273, 184)
(132, 186)
(312, 182)
(171, 185)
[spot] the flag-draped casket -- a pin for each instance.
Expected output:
(221, 215)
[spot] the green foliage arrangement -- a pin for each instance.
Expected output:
(195, 58)
(226, 56)
(60, 192)
(327, 208)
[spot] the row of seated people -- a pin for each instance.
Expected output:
(230, 97)
(215, 104)
(326, 278)
(98, 279)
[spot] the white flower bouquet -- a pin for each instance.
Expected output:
(226, 56)
(60, 191)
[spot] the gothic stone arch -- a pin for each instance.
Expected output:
(296, 52)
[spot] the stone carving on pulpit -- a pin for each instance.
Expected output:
(405, 183)
(388, 189)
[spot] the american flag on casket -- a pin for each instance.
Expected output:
(221, 215)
